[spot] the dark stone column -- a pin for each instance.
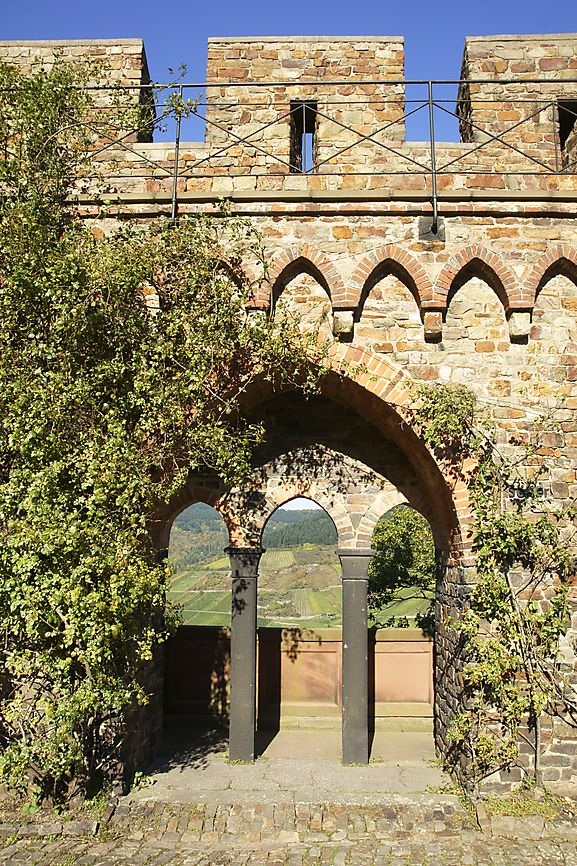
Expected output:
(355, 564)
(244, 567)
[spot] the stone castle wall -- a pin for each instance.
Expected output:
(489, 300)
(118, 67)
(493, 102)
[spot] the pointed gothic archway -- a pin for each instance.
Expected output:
(356, 441)
(345, 443)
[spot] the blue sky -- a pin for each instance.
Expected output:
(176, 32)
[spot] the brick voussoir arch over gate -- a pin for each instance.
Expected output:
(508, 286)
(412, 273)
(561, 258)
(294, 256)
(391, 386)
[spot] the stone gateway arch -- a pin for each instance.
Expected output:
(420, 261)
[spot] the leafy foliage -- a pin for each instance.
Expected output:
(447, 415)
(518, 611)
(405, 560)
(105, 408)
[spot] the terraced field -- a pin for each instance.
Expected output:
(294, 586)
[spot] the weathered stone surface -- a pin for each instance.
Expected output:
(489, 302)
(402, 832)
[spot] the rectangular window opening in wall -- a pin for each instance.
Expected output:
(567, 114)
(303, 123)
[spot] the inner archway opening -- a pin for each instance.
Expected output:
(199, 586)
(299, 619)
(197, 655)
(401, 608)
(299, 574)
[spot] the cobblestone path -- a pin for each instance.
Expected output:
(404, 832)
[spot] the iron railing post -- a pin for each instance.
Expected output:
(555, 112)
(174, 206)
(304, 141)
(435, 225)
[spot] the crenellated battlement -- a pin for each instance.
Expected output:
(325, 114)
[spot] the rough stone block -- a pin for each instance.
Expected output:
(519, 325)
(433, 322)
(343, 323)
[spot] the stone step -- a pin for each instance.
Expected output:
(399, 724)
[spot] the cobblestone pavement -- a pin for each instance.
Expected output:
(405, 831)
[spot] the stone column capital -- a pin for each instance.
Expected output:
(244, 561)
(355, 562)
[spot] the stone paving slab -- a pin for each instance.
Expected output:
(294, 766)
(289, 780)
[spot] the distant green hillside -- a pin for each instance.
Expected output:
(300, 574)
(296, 587)
(199, 533)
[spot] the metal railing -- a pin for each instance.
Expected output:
(209, 109)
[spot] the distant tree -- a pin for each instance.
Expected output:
(310, 527)
(403, 568)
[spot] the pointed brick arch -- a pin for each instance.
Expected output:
(317, 493)
(301, 258)
(402, 264)
(558, 260)
(504, 280)
(393, 389)
(387, 500)
(192, 493)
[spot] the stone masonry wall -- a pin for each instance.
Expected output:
(115, 62)
(527, 106)
(365, 106)
(489, 301)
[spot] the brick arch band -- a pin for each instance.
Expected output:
(383, 393)
(301, 259)
(379, 392)
(486, 264)
(430, 295)
(558, 260)
(401, 262)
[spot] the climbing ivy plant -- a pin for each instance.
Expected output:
(106, 406)
(518, 611)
